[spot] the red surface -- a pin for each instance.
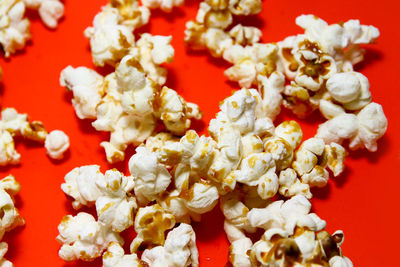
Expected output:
(363, 202)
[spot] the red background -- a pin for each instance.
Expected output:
(362, 201)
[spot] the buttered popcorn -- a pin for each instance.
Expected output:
(14, 125)
(128, 103)
(14, 27)
(10, 218)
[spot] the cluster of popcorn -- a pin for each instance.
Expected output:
(243, 164)
(10, 217)
(293, 237)
(85, 238)
(130, 101)
(14, 26)
(304, 72)
(14, 124)
(111, 36)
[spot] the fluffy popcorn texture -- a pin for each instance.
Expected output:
(82, 237)
(50, 11)
(164, 5)
(150, 225)
(111, 36)
(115, 257)
(14, 125)
(14, 28)
(238, 252)
(151, 178)
(10, 218)
(299, 249)
(56, 143)
(362, 129)
(127, 102)
(111, 193)
(179, 249)
(286, 216)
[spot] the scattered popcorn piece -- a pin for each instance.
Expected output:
(56, 143)
(3, 250)
(82, 237)
(50, 11)
(363, 129)
(10, 217)
(111, 36)
(116, 206)
(238, 252)
(128, 103)
(14, 28)
(150, 225)
(14, 125)
(115, 257)
(179, 249)
(80, 184)
(164, 5)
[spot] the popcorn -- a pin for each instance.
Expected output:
(115, 257)
(10, 218)
(150, 225)
(56, 143)
(127, 102)
(164, 5)
(363, 129)
(286, 215)
(3, 251)
(14, 28)
(244, 35)
(117, 205)
(238, 252)
(299, 249)
(14, 125)
(179, 249)
(50, 11)
(111, 193)
(151, 178)
(111, 36)
(313, 156)
(82, 237)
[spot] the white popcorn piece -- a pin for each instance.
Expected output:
(151, 178)
(245, 7)
(271, 88)
(50, 11)
(164, 5)
(116, 206)
(111, 36)
(244, 35)
(14, 28)
(8, 154)
(15, 125)
(82, 237)
(201, 198)
(109, 39)
(56, 143)
(80, 184)
(249, 62)
(151, 222)
(115, 257)
(86, 86)
(363, 129)
(3, 250)
(179, 249)
(338, 261)
(11, 217)
(127, 102)
(238, 253)
(286, 216)
(290, 185)
(213, 18)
